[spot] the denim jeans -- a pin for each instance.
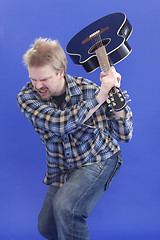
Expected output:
(64, 212)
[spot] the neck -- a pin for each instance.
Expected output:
(63, 86)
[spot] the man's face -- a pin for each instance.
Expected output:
(46, 81)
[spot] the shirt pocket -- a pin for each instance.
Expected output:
(51, 137)
(84, 134)
(53, 143)
(46, 136)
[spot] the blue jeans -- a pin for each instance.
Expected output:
(64, 212)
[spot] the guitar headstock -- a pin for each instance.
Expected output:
(117, 100)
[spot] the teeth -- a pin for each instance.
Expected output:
(43, 91)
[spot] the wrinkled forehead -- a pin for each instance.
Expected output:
(41, 72)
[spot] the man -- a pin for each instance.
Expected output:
(80, 134)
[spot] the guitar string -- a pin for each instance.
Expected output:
(103, 54)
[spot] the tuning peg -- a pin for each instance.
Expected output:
(121, 99)
(114, 104)
(119, 94)
(126, 96)
(108, 101)
(124, 92)
(128, 101)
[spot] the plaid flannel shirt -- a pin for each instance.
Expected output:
(69, 141)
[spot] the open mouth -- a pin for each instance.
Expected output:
(43, 92)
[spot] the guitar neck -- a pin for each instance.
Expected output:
(116, 99)
(103, 59)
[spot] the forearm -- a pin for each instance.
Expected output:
(91, 111)
(100, 99)
(121, 113)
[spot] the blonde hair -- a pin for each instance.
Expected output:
(46, 51)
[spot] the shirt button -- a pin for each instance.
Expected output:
(65, 138)
(70, 166)
(67, 154)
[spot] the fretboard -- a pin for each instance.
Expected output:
(103, 59)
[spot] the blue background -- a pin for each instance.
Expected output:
(130, 209)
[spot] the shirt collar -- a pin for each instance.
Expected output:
(72, 87)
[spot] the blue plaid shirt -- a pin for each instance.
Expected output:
(69, 141)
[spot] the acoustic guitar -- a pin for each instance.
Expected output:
(102, 44)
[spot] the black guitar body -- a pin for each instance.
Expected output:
(117, 30)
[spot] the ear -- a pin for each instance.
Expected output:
(61, 74)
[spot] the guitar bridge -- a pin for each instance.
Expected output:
(94, 34)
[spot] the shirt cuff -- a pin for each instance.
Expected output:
(128, 114)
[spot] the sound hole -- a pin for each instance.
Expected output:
(98, 44)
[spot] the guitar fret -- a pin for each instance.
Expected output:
(103, 59)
